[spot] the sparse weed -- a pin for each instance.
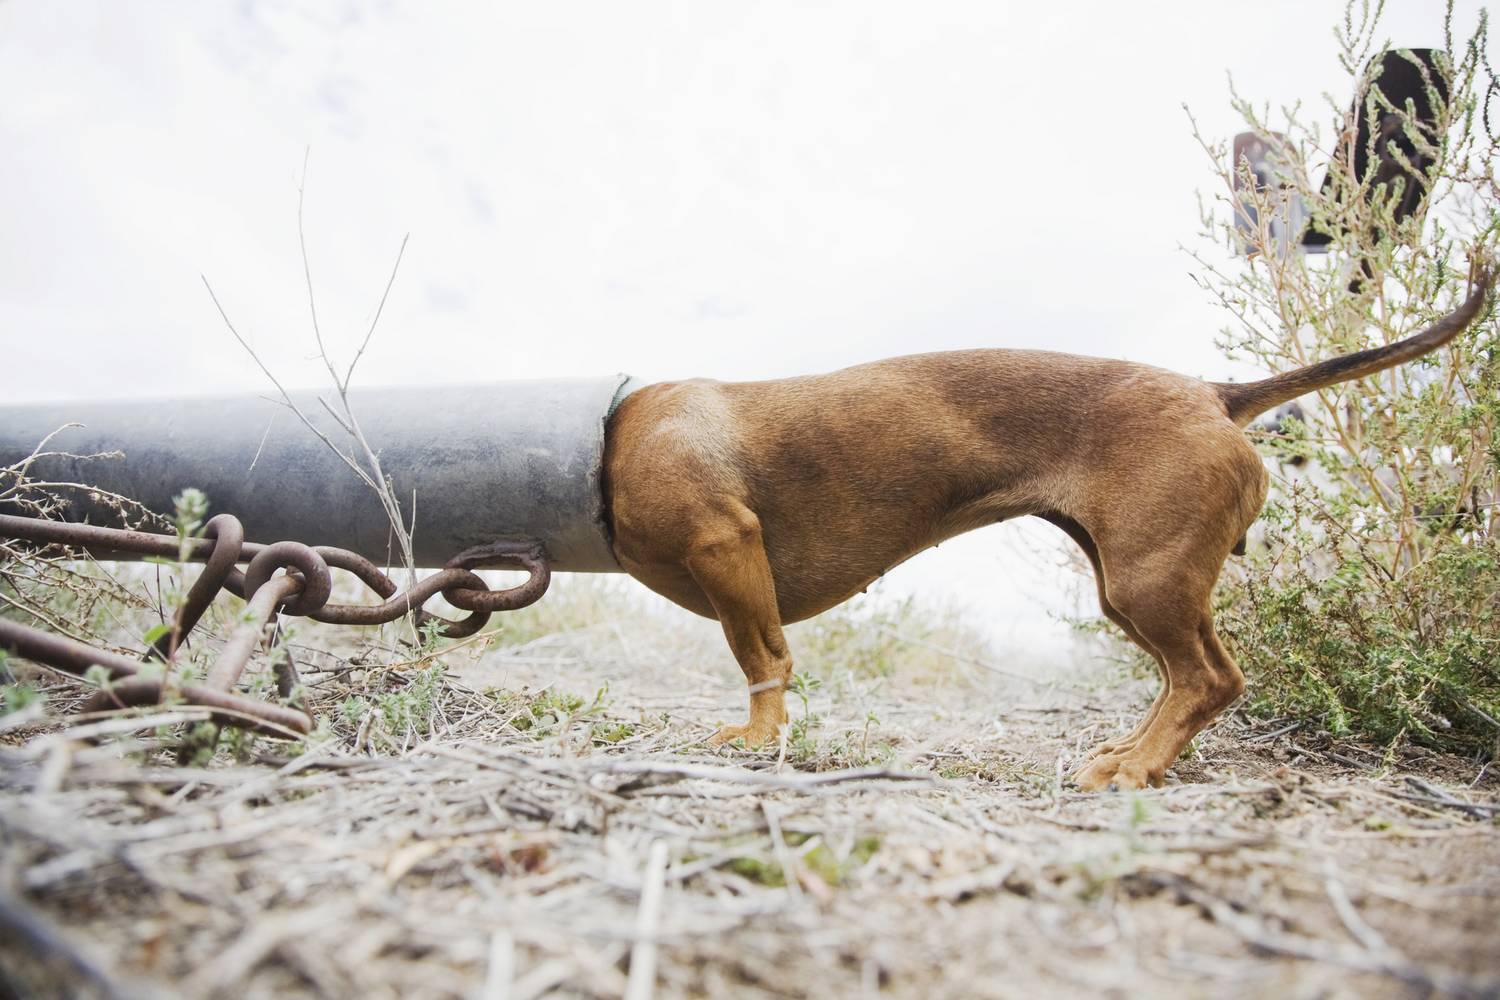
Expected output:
(811, 853)
(616, 732)
(1097, 873)
(547, 713)
(16, 695)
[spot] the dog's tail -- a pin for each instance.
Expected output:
(1246, 400)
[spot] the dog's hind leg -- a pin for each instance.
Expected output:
(728, 561)
(1161, 545)
(1167, 602)
(1085, 542)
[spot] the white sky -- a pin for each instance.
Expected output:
(668, 189)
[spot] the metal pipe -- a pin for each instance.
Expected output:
(503, 462)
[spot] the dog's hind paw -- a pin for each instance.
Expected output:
(1114, 772)
(1114, 748)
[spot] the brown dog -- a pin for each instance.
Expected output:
(761, 503)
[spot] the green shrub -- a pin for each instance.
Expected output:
(1369, 602)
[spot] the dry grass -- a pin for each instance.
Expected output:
(538, 814)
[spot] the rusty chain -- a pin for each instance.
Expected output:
(281, 577)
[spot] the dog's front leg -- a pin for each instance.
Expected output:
(729, 563)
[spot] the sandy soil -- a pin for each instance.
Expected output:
(917, 837)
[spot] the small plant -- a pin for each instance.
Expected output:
(411, 709)
(813, 854)
(1097, 873)
(803, 685)
(97, 676)
(429, 637)
(548, 712)
(240, 743)
(614, 733)
(16, 695)
(828, 865)
(197, 745)
(802, 746)
(352, 709)
(757, 870)
(190, 509)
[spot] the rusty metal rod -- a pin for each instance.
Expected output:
(246, 635)
(228, 538)
(76, 658)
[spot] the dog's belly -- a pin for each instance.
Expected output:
(813, 574)
(803, 591)
(673, 582)
(799, 594)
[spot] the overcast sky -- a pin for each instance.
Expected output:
(668, 189)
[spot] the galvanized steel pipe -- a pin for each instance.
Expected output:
(486, 463)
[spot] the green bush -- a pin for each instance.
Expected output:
(1369, 602)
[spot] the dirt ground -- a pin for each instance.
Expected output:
(482, 834)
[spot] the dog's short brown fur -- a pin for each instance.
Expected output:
(763, 503)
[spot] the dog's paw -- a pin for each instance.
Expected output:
(1114, 748)
(753, 735)
(1119, 771)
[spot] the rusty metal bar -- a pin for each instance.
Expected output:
(77, 658)
(228, 538)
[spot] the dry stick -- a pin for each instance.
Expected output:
(379, 309)
(286, 399)
(991, 879)
(1344, 907)
(263, 439)
(542, 979)
(259, 941)
(642, 982)
(54, 769)
(783, 856)
(36, 712)
(348, 422)
(735, 775)
(312, 304)
(502, 966)
(375, 479)
(377, 483)
(52, 624)
(1438, 796)
(20, 468)
(46, 943)
(1254, 933)
(48, 824)
(1268, 737)
(116, 723)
